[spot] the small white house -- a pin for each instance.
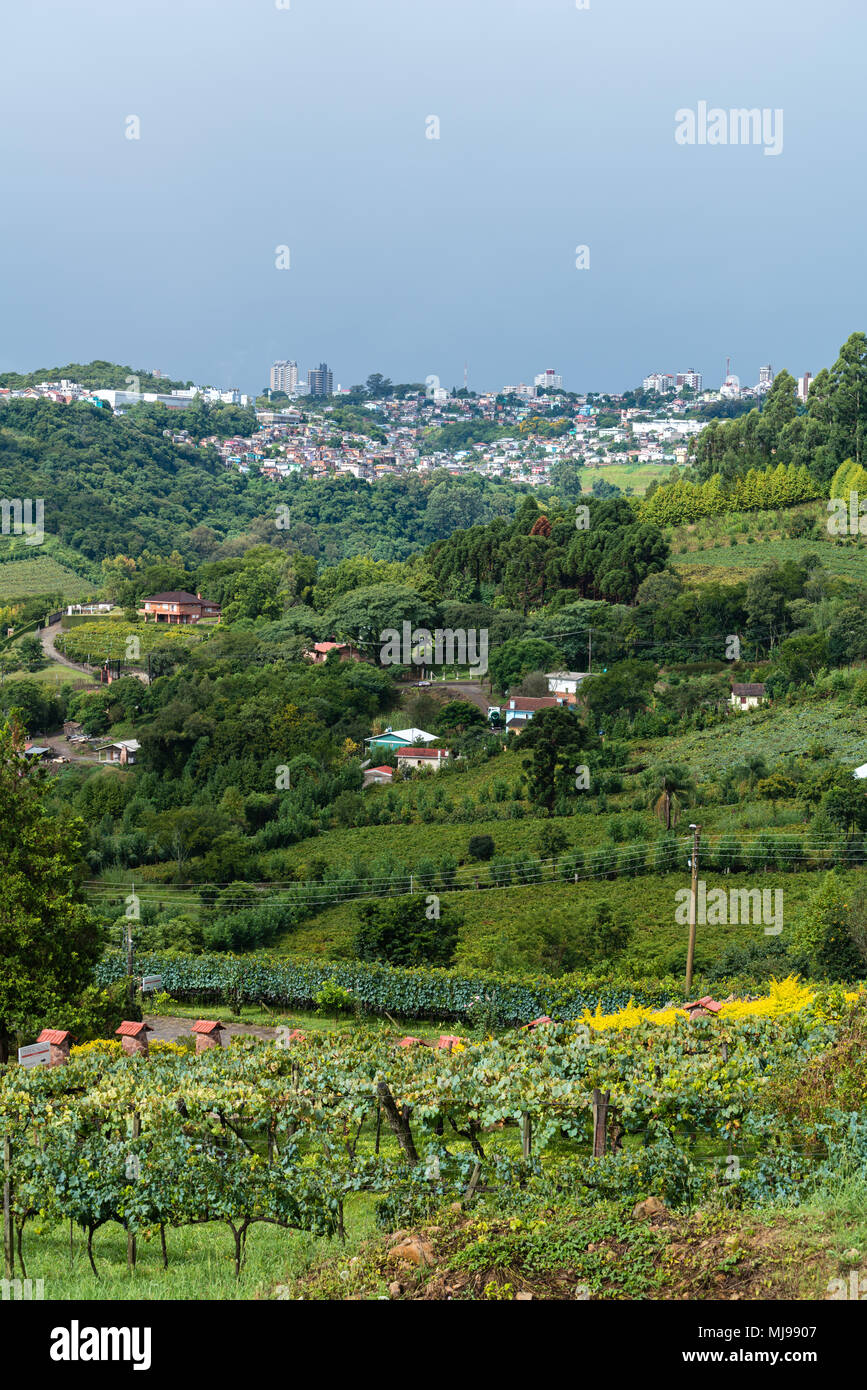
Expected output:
(123, 752)
(860, 771)
(378, 775)
(748, 696)
(430, 758)
(565, 683)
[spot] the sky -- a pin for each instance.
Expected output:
(307, 125)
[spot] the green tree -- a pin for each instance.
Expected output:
(49, 940)
(409, 930)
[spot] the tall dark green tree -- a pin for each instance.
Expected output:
(49, 939)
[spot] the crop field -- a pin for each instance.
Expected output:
(638, 476)
(108, 638)
(732, 564)
(41, 575)
(507, 928)
(770, 733)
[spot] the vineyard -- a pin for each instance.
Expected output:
(109, 640)
(303, 1136)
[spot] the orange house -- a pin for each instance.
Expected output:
(178, 607)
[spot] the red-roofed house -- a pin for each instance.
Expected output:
(378, 774)
(177, 606)
(320, 652)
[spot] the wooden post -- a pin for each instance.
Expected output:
(600, 1122)
(693, 898)
(130, 1238)
(8, 1246)
(526, 1135)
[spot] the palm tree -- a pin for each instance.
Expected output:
(664, 783)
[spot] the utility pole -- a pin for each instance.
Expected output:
(589, 650)
(130, 989)
(693, 898)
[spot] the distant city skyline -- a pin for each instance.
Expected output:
(497, 182)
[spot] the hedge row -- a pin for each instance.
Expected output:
(418, 993)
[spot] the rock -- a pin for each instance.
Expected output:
(397, 1237)
(651, 1206)
(413, 1251)
(523, 1297)
(395, 1289)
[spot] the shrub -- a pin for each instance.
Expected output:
(481, 847)
(333, 999)
(407, 931)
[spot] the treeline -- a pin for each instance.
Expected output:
(784, 486)
(819, 436)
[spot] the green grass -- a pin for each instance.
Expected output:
(732, 564)
(259, 1015)
(638, 476)
(41, 575)
(200, 1260)
(771, 732)
(54, 675)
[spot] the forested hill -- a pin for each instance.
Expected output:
(116, 485)
(93, 376)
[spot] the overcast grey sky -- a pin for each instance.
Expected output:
(306, 127)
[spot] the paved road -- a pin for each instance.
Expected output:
(46, 637)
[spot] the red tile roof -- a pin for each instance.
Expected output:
(530, 702)
(536, 1022)
(707, 1002)
(132, 1030)
(384, 768)
(54, 1035)
(206, 1025)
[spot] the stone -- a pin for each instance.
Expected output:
(651, 1206)
(413, 1251)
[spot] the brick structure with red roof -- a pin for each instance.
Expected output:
(207, 1034)
(60, 1041)
(133, 1037)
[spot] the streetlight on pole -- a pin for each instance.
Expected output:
(690, 953)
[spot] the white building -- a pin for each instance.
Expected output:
(804, 385)
(548, 380)
(284, 377)
(565, 683)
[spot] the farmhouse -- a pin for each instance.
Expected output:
(748, 696)
(378, 775)
(320, 651)
(430, 758)
(399, 738)
(177, 606)
(521, 708)
(123, 752)
(565, 683)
